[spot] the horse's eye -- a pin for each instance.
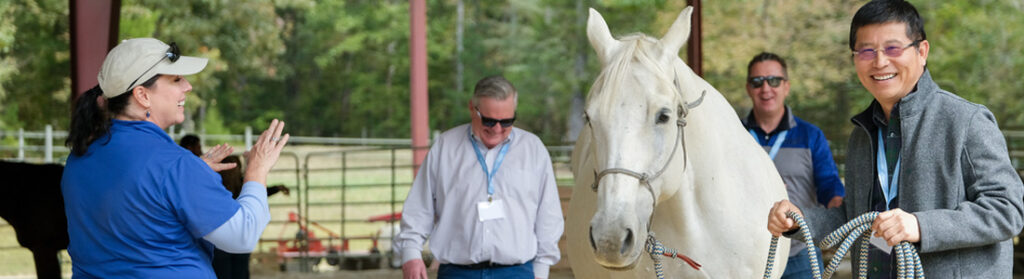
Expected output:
(663, 117)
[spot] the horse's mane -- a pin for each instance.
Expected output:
(635, 47)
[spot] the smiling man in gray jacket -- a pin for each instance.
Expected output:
(935, 165)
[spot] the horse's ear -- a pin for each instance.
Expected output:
(677, 34)
(600, 38)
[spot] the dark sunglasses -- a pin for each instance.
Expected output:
(867, 54)
(172, 54)
(773, 81)
(490, 122)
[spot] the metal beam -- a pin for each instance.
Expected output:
(418, 81)
(694, 49)
(94, 29)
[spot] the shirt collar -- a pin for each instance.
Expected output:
(878, 115)
(508, 139)
(787, 122)
(142, 126)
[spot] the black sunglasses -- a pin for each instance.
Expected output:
(172, 54)
(773, 81)
(490, 122)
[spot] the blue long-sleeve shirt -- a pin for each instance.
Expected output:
(140, 206)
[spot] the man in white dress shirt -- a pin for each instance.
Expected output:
(485, 197)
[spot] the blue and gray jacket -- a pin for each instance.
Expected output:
(804, 161)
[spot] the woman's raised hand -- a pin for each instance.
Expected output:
(217, 154)
(264, 153)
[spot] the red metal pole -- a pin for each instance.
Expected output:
(693, 50)
(94, 28)
(418, 81)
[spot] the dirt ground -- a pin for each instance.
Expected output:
(265, 267)
(372, 274)
(844, 272)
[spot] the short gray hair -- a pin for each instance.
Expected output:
(496, 87)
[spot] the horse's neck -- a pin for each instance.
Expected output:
(715, 136)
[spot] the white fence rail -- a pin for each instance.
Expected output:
(42, 142)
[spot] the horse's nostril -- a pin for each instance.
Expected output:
(627, 244)
(592, 244)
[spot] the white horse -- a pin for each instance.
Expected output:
(709, 186)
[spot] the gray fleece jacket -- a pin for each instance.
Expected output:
(956, 178)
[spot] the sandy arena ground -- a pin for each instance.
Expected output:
(843, 272)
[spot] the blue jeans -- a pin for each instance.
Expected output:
(799, 266)
(524, 271)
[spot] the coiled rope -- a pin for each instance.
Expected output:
(908, 262)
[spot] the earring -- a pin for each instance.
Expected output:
(147, 114)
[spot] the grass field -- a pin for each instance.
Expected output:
(372, 182)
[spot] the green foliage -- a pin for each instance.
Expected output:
(137, 21)
(976, 52)
(36, 64)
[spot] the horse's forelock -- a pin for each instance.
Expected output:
(635, 47)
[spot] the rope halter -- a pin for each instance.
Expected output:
(652, 245)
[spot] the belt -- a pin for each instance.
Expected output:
(484, 265)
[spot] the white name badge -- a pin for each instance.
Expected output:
(490, 210)
(881, 244)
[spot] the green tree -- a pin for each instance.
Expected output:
(976, 52)
(34, 64)
(241, 39)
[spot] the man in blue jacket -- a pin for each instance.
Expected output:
(798, 148)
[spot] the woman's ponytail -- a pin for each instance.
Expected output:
(89, 121)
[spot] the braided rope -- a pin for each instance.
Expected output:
(655, 249)
(908, 262)
(771, 258)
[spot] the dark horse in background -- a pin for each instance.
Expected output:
(32, 203)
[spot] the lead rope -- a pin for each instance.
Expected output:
(653, 246)
(908, 262)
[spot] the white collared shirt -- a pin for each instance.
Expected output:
(442, 204)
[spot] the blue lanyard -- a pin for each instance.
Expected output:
(778, 142)
(889, 189)
(483, 163)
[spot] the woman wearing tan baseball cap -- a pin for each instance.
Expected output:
(138, 205)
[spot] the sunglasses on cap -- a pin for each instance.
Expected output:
(867, 54)
(172, 54)
(757, 82)
(490, 122)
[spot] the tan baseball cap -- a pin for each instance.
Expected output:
(135, 61)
